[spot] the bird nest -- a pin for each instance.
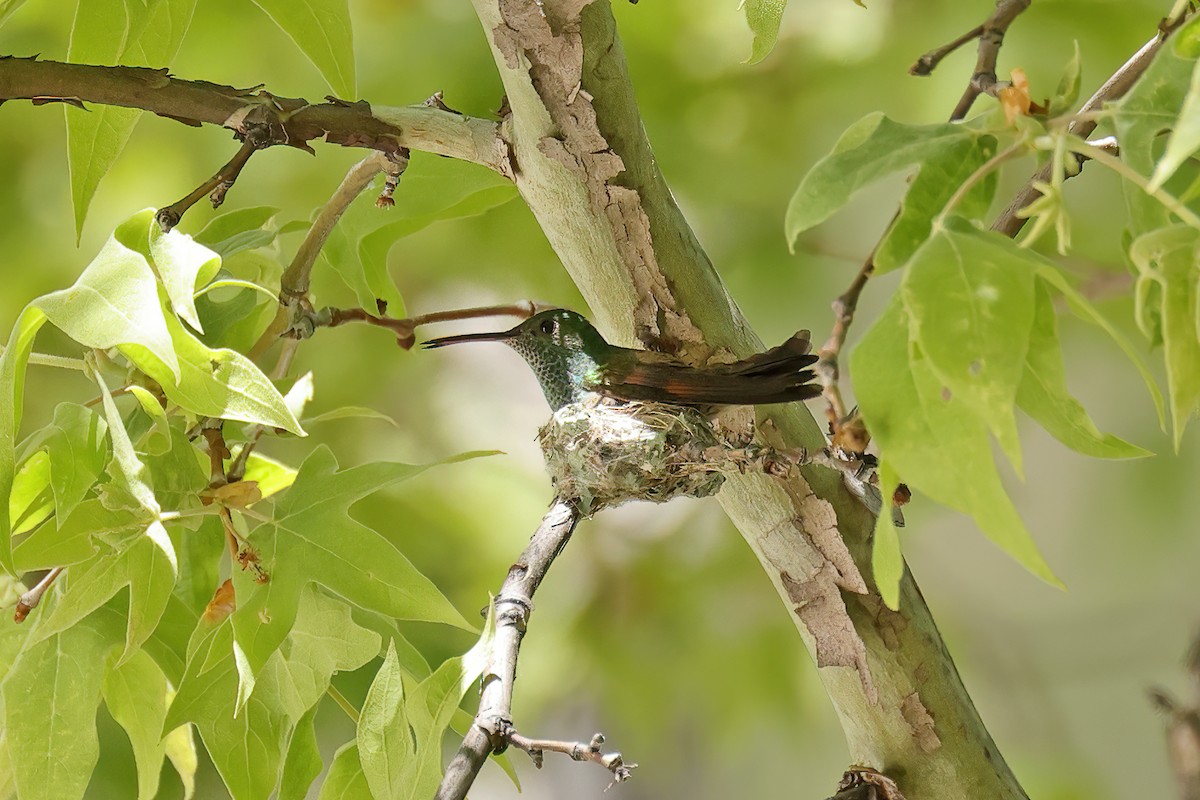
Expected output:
(601, 453)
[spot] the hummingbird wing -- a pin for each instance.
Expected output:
(779, 375)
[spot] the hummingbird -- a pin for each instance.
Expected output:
(572, 361)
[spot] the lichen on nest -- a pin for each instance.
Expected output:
(602, 452)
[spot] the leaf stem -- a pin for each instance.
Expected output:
(1169, 201)
(47, 360)
(343, 703)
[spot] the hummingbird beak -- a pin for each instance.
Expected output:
(468, 337)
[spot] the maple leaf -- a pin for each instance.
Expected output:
(312, 539)
(249, 745)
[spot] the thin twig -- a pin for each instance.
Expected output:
(1010, 222)
(983, 79)
(926, 64)
(295, 279)
(578, 751)
(513, 605)
(404, 328)
(215, 187)
(29, 601)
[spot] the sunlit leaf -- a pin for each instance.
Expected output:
(1169, 257)
(944, 156)
(78, 448)
(385, 745)
(321, 29)
(1083, 309)
(136, 694)
(303, 763)
(182, 265)
(115, 301)
(763, 17)
(345, 780)
(249, 749)
(113, 32)
(931, 440)
(1153, 105)
(147, 565)
(70, 542)
(237, 230)
(51, 693)
(12, 391)
(1043, 392)
(31, 500)
(969, 302)
(431, 190)
(312, 539)
(215, 382)
(431, 706)
(157, 439)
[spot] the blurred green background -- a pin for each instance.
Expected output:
(657, 626)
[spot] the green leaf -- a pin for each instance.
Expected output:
(321, 29)
(1083, 309)
(215, 382)
(271, 476)
(51, 693)
(12, 391)
(1152, 106)
(78, 450)
(181, 264)
(311, 538)
(113, 32)
(136, 694)
(7, 7)
(115, 301)
(148, 566)
(931, 440)
(180, 749)
(1068, 86)
(238, 230)
(157, 439)
(238, 306)
(1185, 134)
(384, 737)
(969, 300)
(434, 189)
(70, 542)
(127, 469)
(31, 501)
(431, 707)
(350, 412)
(345, 780)
(944, 156)
(303, 762)
(1169, 256)
(763, 17)
(1043, 392)
(248, 748)
(887, 563)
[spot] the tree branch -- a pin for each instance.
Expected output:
(493, 722)
(275, 120)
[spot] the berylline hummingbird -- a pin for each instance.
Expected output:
(572, 361)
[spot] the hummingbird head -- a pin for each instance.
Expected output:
(563, 349)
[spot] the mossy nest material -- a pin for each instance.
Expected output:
(602, 453)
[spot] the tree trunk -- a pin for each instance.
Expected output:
(583, 164)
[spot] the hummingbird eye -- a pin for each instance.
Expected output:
(549, 326)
